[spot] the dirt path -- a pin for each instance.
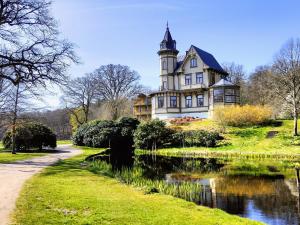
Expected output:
(13, 176)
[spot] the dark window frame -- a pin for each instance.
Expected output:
(200, 99)
(173, 101)
(230, 97)
(199, 78)
(219, 97)
(188, 77)
(160, 101)
(193, 62)
(188, 101)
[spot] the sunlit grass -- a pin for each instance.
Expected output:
(69, 193)
(64, 142)
(245, 140)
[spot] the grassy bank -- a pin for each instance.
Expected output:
(245, 141)
(69, 193)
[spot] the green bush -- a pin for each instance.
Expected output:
(30, 135)
(199, 138)
(153, 134)
(104, 134)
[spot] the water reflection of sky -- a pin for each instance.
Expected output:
(252, 212)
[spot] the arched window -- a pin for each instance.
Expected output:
(193, 62)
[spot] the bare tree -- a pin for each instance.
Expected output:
(259, 87)
(236, 72)
(80, 94)
(116, 83)
(286, 77)
(30, 50)
(237, 75)
(17, 101)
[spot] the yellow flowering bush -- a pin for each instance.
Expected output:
(246, 115)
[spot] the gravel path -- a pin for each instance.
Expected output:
(13, 176)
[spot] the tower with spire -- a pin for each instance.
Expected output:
(168, 60)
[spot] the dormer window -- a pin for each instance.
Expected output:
(193, 62)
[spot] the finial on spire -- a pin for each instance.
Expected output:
(167, 24)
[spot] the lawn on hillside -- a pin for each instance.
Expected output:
(70, 194)
(247, 140)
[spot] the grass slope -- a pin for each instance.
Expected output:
(248, 140)
(70, 194)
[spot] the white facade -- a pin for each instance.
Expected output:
(187, 86)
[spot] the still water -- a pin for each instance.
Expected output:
(273, 200)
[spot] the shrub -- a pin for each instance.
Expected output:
(30, 135)
(152, 134)
(238, 116)
(104, 134)
(196, 138)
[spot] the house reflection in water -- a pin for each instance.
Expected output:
(272, 201)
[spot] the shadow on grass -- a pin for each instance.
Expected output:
(67, 167)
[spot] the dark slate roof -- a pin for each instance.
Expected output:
(209, 60)
(168, 42)
(168, 36)
(180, 60)
(223, 83)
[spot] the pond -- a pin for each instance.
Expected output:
(269, 198)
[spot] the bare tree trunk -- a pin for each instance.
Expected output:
(295, 121)
(14, 121)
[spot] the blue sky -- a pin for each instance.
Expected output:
(247, 32)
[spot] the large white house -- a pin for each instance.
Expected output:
(191, 85)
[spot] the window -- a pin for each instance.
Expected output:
(200, 100)
(199, 78)
(165, 85)
(212, 79)
(193, 62)
(230, 95)
(188, 101)
(160, 101)
(164, 65)
(188, 79)
(218, 95)
(173, 101)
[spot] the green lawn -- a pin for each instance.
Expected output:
(69, 193)
(247, 140)
(64, 142)
(7, 157)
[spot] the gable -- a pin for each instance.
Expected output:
(207, 58)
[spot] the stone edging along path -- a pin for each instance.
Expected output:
(14, 175)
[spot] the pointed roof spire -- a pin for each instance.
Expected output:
(168, 42)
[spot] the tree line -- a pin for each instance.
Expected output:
(276, 84)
